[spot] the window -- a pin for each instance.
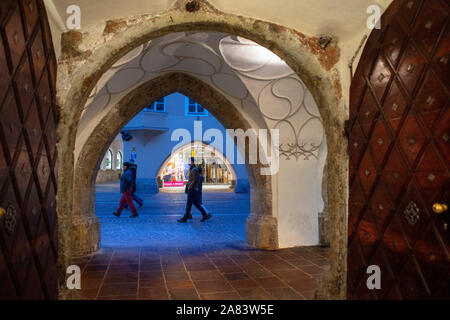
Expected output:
(118, 160)
(158, 105)
(192, 108)
(108, 160)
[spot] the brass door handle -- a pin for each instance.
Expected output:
(439, 208)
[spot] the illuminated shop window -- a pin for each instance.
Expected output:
(109, 157)
(192, 108)
(118, 160)
(158, 105)
(175, 172)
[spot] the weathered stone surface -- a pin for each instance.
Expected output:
(85, 236)
(262, 231)
(70, 42)
(108, 176)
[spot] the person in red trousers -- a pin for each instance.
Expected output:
(126, 187)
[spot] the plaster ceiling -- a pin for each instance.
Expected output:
(261, 85)
(344, 19)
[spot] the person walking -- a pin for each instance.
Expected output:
(200, 188)
(192, 188)
(200, 191)
(133, 168)
(126, 187)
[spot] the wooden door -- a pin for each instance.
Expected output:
(28, 232)
(399, 155)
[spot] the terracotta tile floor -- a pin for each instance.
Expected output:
(206, 273)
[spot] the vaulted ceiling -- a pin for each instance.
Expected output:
(261, 85)
(343, 19)
(247, 74)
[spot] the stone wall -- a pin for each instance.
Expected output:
(104, 176)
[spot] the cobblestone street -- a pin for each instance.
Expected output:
(157, 224)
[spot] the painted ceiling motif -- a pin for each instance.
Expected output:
(264, 88)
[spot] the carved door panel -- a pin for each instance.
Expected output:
(399, 155)
(28, 232)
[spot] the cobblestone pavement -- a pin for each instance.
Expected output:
(157, 222)
(154, 257)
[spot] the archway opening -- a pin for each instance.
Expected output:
(151, 145)
(262, 229)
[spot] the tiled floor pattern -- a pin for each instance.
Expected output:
(187, 273)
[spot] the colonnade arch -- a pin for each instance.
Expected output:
(316, 66)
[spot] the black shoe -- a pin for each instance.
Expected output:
(140, 205)
(116, 214)
(189, 217)
(208, 216)
(182, 220)
(134, 215)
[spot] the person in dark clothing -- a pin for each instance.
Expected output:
(200, 191)
(192, 188)
(138, 200)
(126, 187)
(200, 184)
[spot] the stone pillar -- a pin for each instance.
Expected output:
(261, 230)
(85, 224)
(105, 176)
(324, 231)
(85, 236)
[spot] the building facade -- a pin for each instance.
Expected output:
(111, 165)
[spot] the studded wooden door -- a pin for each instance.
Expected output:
(28, 232)
(399, 155)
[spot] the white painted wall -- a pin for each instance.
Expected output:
(299, 200)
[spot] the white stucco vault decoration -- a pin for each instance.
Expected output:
(86, 57)
(267, 90)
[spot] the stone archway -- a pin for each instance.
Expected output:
(261, 227)
(314, 64)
